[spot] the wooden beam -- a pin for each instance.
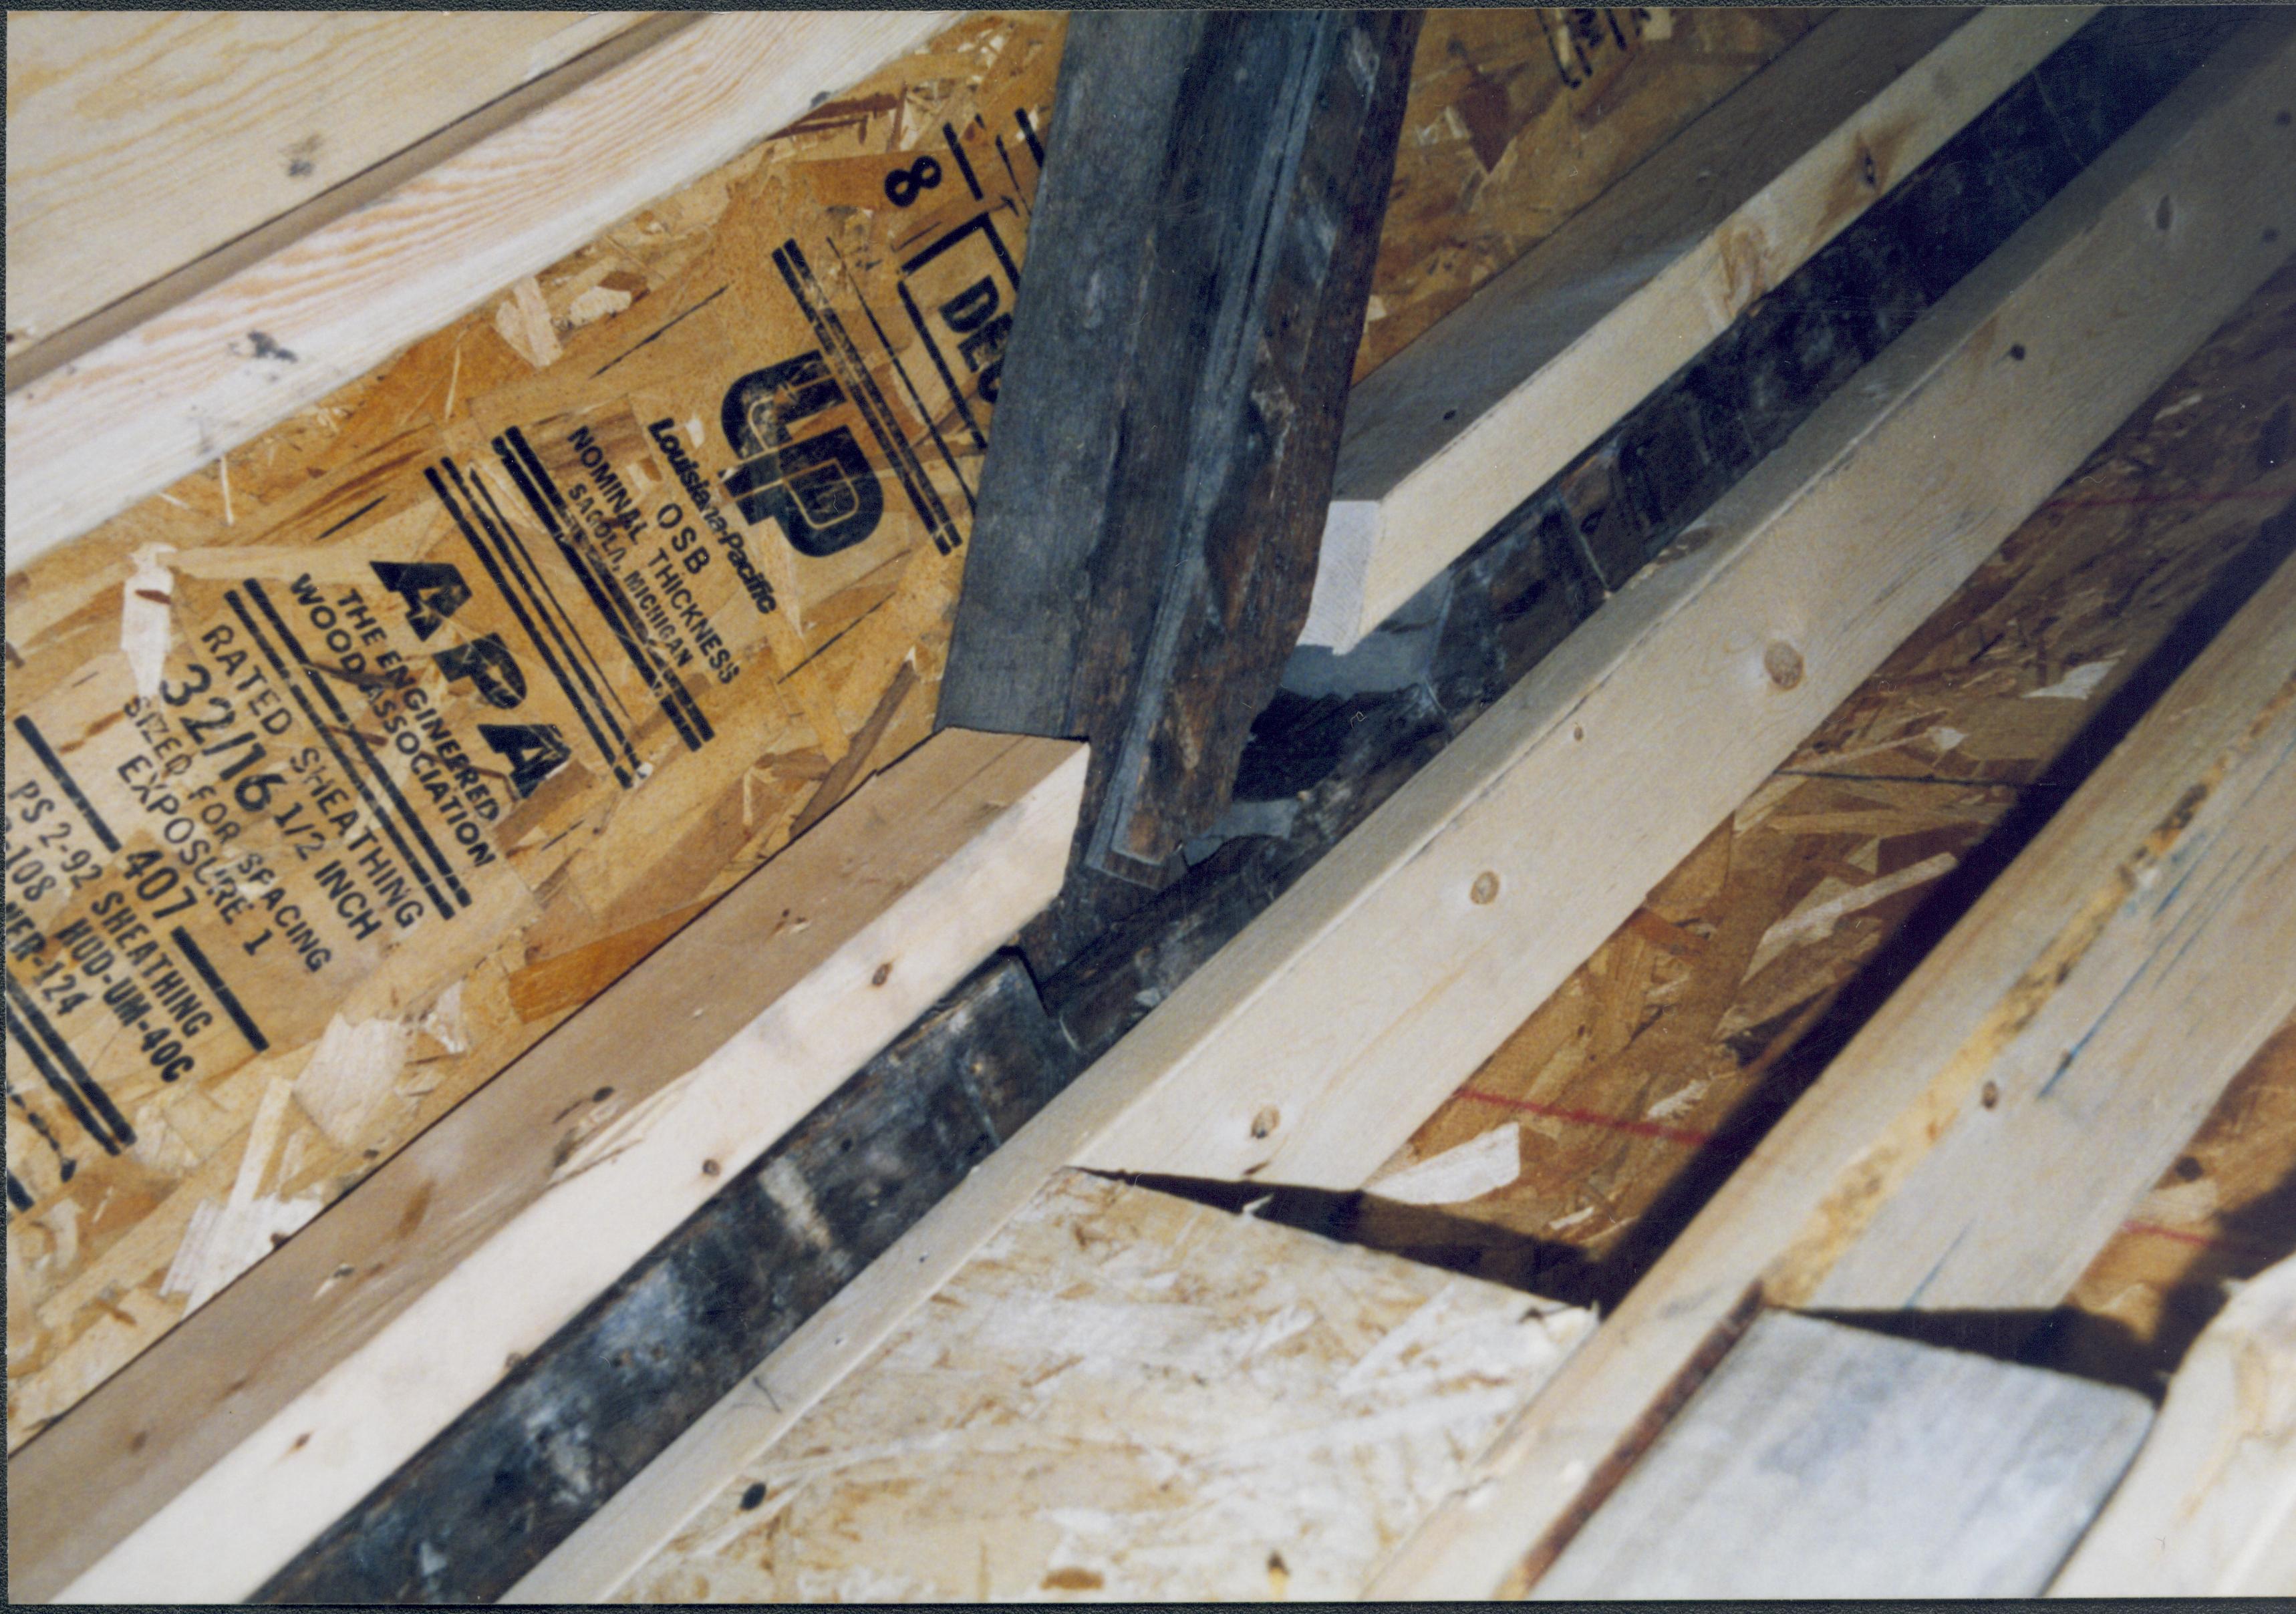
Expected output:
(140, 143)
(1475, 631)
(1151, 510)
(222, 1451)
(1455, 432)
(485, 1501)
(168, 396)
(2161, 888)
(2210, 1508)
(604, 900)
(1381, 966)
(1310, 1050)
(1829, 1461)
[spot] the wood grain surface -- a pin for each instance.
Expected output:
(138, 142)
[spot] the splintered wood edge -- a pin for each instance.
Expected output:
(167, 397)
(2217, 1479)
(2212, 148)
(1384, 544)
(1858, 431)
(244, 1516)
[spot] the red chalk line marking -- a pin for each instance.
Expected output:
(2171, 498)
(1611, 1123)
(2237, 1247)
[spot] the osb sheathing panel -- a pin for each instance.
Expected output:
(515, 762)
(1517, 119)
(1635, 1090)
(358, 760)
(1127, 1395)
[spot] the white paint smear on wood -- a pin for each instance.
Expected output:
(1832, 902)
(146, 617)
(445, 1025)
(353, 1069)
(1476, 1167)
(523, 320)
(222, 1242)
(2078, 684)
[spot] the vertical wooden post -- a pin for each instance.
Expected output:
(1152, 506)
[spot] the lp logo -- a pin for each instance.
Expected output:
(820, 490)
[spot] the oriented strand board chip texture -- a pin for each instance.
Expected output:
(339, 772)
(1129, 1396)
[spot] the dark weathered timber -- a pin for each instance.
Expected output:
(1061, 400)
(1153, 501)
(484, 1502)
(1254, 477)
(1501, 606)
(493, 1493)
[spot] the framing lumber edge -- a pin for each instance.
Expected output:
(1602, 313)
(993, 817)
(2212, 164)
(153, 405)
(2209, 1508)
(596, 45)
(2123, 955)
(1310, 1047)
(1823, 1461)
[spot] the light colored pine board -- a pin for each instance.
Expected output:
(1823, 1461)
(636, 340)
(1445, 440)
(2210, 1508)
(233, 1442)
(139, 141)
(167, 397)
(1980, 1025)
(1315, 1044)
(1126, 1394)
(1381, 966)
(1642, 1081)
(2181, 973)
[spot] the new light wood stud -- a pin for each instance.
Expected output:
(1478, 413)
(2210, 1508)
(139, 141)
(2205, 787)
(1310, 1050)
(1371, 988)
(165, 398)
(1826, 1460)
(205, 1465)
